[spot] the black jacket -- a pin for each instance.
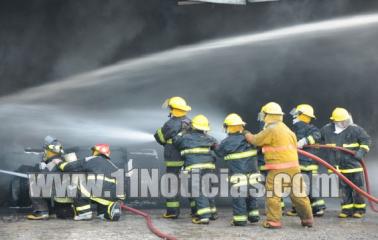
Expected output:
(239, 155)
(93, 164)
(165, 135)
(354, 138)
(195, 147)
(312, 135)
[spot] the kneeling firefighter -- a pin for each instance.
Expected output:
(42, 207)
(108, 206)
(344, 133)
(178, 109)
(280, 151)
(241, 159)
(196, 147)
(308, 134)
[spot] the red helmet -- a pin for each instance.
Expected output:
(104, 149)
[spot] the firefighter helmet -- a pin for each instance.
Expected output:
(103, 149)
(200, 122)
(177, 103)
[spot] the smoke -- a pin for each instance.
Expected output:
(47, 40)
(120, 104)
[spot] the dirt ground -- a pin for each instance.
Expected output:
(133, 227)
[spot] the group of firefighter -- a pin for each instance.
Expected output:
(81, 207)
(274, 150)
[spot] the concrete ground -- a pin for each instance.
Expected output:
(134, 227)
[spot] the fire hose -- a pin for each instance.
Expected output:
(150, 225)
(367, 194)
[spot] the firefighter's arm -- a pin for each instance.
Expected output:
(75, 166)
(159, 137)
(260, 139)
(220, 150)
(177, 140)
(365, 142)
(314, 136)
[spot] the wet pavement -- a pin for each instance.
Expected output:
(133, 227)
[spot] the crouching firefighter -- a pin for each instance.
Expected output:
(344, 133)
(42, 207)
(195, 148)
(279, 145)
(108, 206)
(241, 159)
(178, 109)
(308, 134)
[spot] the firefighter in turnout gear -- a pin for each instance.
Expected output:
(241, 159)
(53, 150)
(261, 161)
(344, 133)
(195, 147)
(99, 168)
(279, 145)
(307, 134)
(177, 122)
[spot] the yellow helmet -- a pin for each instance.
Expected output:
(200, 122)
(340, 114)
(177, 103)
(305, 109)
(272, 108)
(233, 119)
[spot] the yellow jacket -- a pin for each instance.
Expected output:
(279, 144)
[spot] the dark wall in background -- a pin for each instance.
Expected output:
(46, 40)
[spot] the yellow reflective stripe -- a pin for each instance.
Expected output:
(213, 209)
(353, 170)
(347, 206)
(337, 168)
(282, 204)
(63, 200)
(262, 168)
(195, 151)
(245, 179)
(82, 208)
(62, 166)
(203, 211)
(320, 202)
(170, 141)
(331, 144)
(161, 135)
(100, 177)
(109, 210)
(308, 168)
(351, 145)
(366, 147)
(363, 205)
(311, 140)
(192, 204)
(254, 213)
(172, 204)
(240, 155)
(240, 218)
(200, 166)
(102, 201)
(174, 163)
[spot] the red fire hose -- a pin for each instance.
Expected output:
(150, 225)
(366, 194)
